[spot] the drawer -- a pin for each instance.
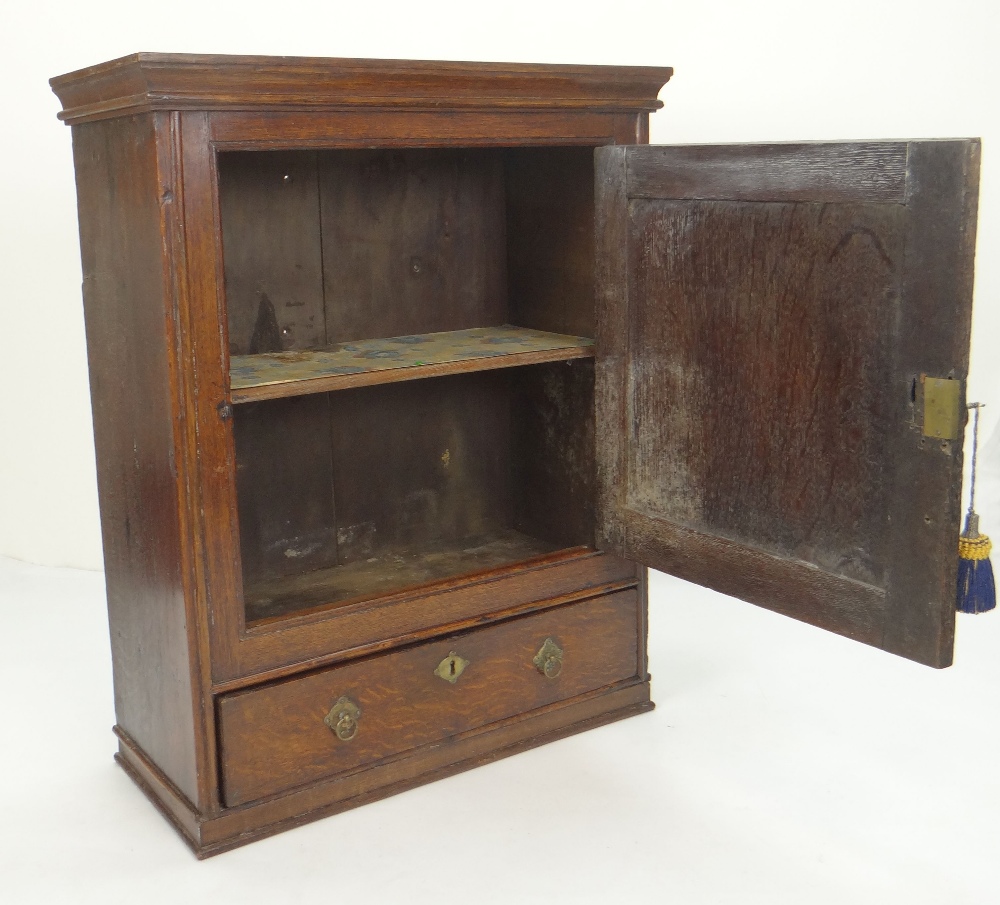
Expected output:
(290, 733)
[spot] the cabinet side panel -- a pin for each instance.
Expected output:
(550, 238)
(552, 451)
(128, 330)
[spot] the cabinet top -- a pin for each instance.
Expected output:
(145, 82)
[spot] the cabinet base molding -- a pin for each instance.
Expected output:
(233, 827)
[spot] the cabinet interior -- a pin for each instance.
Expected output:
(411, 358)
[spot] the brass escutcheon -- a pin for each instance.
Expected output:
(343, 719)
(451, 667)
(549, 659)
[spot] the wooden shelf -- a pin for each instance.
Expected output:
(373, 361)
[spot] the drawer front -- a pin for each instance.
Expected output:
(300, 730)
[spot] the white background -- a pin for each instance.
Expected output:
(784, 765)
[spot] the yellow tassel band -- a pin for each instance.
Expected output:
(974, 548)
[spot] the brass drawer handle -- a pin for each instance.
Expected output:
(549, 659)
(451, 667)
(343, 719)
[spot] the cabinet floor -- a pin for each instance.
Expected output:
(387, 571)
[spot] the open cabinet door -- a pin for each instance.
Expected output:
(782, 347)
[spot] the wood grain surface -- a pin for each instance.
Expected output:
(284, 486)
(758, 353)
(390, 569)
(934, 330)
(238, 826)
(148, 81)
(274, 738)
(550, 238)
(421, 462)
(759, 374)
(553, 473)
(413, 241)
(818, 172)
(128, 311)
(272, 252)
(367, 492)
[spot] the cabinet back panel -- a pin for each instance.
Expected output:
(336, 246)
(284, 485)
(413, 242)
(550, 238)
(420, 462)
(271, 248)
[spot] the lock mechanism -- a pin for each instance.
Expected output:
(343, 718)
(549, 659)
(942, 407)
(451, 667)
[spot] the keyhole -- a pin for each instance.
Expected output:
(450, 668)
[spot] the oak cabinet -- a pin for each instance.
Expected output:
(403, 372)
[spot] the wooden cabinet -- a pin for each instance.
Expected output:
(400, 369)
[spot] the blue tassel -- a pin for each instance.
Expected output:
(977, 591)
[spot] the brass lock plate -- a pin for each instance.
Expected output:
(942, 407)
(451, 667)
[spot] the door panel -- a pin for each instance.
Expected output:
(765, 316)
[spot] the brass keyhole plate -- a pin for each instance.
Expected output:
(451, 667)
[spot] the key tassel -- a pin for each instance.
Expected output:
(977, 592)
